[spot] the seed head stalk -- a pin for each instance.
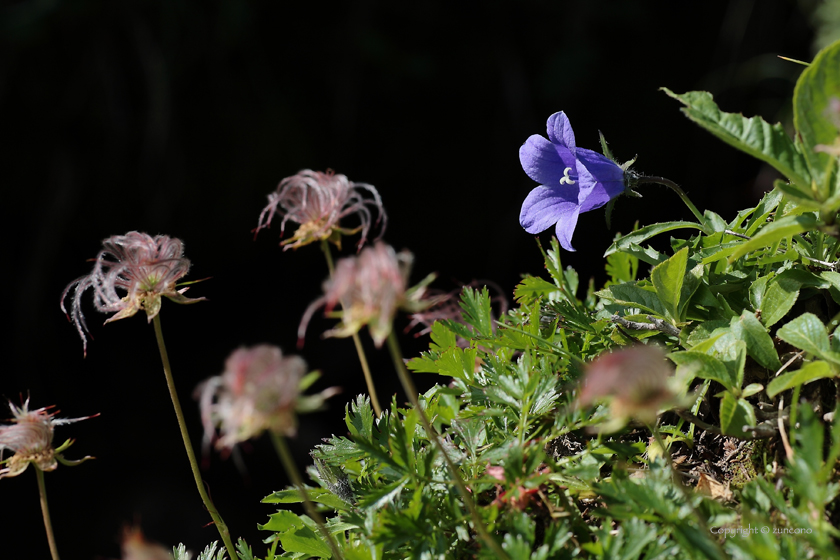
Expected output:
(45, 510)
(325, 247)
(289, 465)
(411, 391)
(208, 503)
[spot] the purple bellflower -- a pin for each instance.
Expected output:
(572, 180)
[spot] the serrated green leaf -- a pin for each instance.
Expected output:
(776, 231)
(359, 418)
(317, 495)
(621, 267)
(533, 288)
(478, 310)
(645, 233)
(815, 89)
(804, 375)
(667, 278)
(769, 143)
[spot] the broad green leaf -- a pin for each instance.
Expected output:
(306, 541)
(704, 366)
(281, 522)
(692, 281)
(807, 373)
(808, 333)
(633, 295)
(815, 89)
(667, 278)
(776, 231)
(645, 233)
(759, 344)
(769, 143)
(735, 413)
(757, 290)
(765, 207)
(778, 299)
(802, 198)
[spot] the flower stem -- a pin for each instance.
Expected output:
(676, 188)
(45, 510)
(411, 391)
(325, 247)
(208, 503)
(291, 470)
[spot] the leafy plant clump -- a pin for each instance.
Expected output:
(738, 461)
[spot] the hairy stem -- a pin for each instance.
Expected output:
(45, 510)
(374, 400)
(289, 465)
(676, 188)
(411, 391)
(208, 503)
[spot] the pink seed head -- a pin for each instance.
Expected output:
(317, 202)
(131, 272)
(259, 390)
(370, 287)
(30, 437)
(636, 379)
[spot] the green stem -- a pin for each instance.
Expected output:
(182, 424)
(676, 188)
(45, 510)
(291, 470)
(374, 400)
(411, 391)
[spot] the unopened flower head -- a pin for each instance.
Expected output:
(572, 180)
(30, 437)
(259, 390)
(370, 288)
(637, 381)
(317, 202)
(132, 272)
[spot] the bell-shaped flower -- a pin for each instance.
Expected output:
(572, 180)
(30, 437)
(317, 202)
(259, 390)
(370, 287)
(132, 272)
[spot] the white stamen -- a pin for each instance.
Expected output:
(566, 180)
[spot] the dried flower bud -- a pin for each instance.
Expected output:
(31, 437)
(259, 390)
(370, 288)
(317, 202)
(145, 268)
(635, 379)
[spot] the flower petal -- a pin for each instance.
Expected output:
(560, 130)
(546, 206)
(601, 179)
(545, 162)
(566, 222)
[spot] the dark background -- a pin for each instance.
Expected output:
(179, 117)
